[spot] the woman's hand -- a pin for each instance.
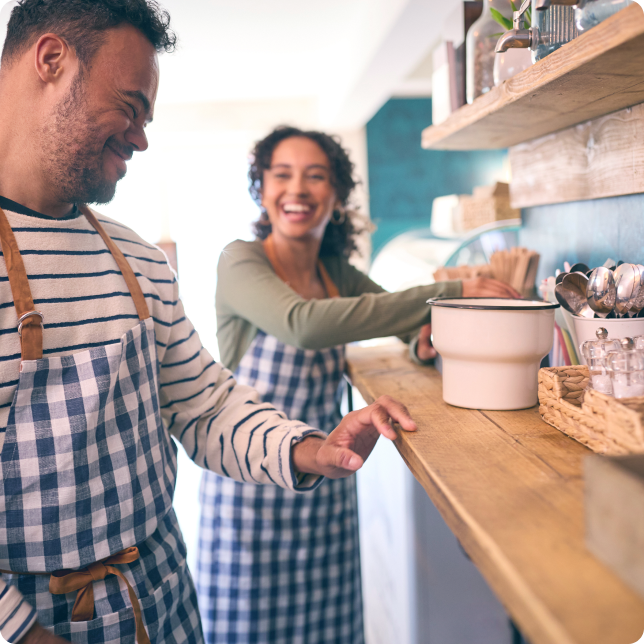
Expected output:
(424, 349)
(346, 448)
(486, 287)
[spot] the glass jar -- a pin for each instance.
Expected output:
(481, 40)
(589, 13)
(595, 353)
(626, 369)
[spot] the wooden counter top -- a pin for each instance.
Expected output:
(510, 487)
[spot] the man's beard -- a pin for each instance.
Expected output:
(72, 148)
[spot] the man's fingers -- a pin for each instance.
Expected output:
(397, 412)
(345, 459)
(380, 420)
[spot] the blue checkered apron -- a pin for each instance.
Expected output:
(88, 470)
(276, 567)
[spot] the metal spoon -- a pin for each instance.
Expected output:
(571, 294)
(601, 292)
(580, 267)
(638, 302)
(627, 284)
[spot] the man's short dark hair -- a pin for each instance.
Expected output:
(82, 23)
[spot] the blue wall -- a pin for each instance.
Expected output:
(404, 179)
(586, 231)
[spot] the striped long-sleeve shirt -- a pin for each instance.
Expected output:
(76, 284)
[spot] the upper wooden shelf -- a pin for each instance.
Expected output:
(599, 72)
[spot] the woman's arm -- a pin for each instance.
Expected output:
(249, 288)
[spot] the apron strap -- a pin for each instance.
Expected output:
(271, 254)
(124, 266)
(30, 321)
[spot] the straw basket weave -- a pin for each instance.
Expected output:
(602, 423)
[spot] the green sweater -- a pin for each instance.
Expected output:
(250, 296)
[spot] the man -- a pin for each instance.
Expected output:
(98, 363)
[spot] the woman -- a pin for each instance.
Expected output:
(275, 567)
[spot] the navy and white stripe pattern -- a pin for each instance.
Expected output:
(19, 614)
(77, 285)
(275, 567)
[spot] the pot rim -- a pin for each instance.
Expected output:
(452, 303)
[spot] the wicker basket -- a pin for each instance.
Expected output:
(602, 423)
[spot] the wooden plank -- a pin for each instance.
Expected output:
(511, 489)
(600, 72)
(592, 160)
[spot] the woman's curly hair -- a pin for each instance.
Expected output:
(339, 239)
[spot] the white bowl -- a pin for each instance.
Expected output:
(491, 350)
(585, 329)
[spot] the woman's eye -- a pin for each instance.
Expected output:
(281, 176)
(317, 177)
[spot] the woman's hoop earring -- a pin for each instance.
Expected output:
(338, 217)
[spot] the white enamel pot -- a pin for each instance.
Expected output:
(491, 350)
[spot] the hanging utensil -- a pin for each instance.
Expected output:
(601, 292)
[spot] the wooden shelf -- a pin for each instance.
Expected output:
(511, 489)
(598, 73)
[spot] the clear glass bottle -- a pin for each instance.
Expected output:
(589, 13)
(552, 28)
(481, 41)
(595, 353)
(626, 370)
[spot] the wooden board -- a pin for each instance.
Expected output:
(600, 72)
(510, 487)
(592, 160)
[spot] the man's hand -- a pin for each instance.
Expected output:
(346, 448)
(486, 287)
(39, 635)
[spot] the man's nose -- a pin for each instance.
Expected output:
(137, 138)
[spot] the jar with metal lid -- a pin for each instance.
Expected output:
(626, 369)
(595, 353)
(589, 13)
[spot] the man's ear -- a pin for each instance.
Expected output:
(53, 58)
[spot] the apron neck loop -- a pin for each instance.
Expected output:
(30, 321)
(271, 254)
(124, 267)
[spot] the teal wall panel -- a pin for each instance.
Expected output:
(585, 231)
(404, 179)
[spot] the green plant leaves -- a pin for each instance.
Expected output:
(501, 19)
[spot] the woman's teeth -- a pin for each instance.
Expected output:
(296, 208)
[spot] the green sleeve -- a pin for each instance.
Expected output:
(248, 288)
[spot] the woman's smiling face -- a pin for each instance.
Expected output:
(297, 190)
